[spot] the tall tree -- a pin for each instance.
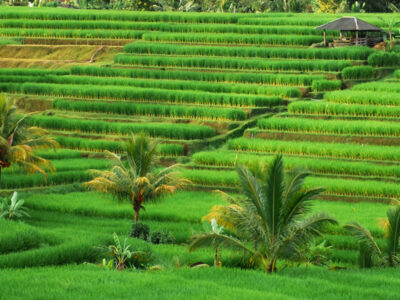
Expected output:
(19, 141)
(269, 222)
(137, 180)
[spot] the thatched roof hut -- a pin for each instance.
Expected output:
(352, 24)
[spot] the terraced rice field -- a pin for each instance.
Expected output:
(215, 90)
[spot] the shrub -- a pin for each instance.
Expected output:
(326, 85)
(161, 237)
(358, 72)
(384, 59)
(140, 231)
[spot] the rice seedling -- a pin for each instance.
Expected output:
(141, 94)
(233, 63)
(179, 131)
(387, 87)
(172, 111)
(232, 38)
(337, 109)
(332, 186)
(326, 85)
(160, 84)
(257, 52)
(262, 78)
(314, 165)
(354, 127)
(348, 151)
(358, 72)
(116, 15)
(113, 146)
(70, 33)
(384, 59)
(363, 97)
(155, 26)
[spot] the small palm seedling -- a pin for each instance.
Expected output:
(270, 221)
(370, 253)
(13, 209)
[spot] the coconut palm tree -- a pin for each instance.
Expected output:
(269, 221)
(137, 180)
(18, 141)
(370, 254)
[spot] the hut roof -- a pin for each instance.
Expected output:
(349, 24)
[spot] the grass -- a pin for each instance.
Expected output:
(177, 284)
(183, 207)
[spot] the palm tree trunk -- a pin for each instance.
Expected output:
(216, 258)
(390, 38)
(136, 216)
(0, 175)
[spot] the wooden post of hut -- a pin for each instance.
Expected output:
(353, 25)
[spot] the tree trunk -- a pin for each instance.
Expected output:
(136, 216)
(390, 38)
(0, 175)
(216, 258)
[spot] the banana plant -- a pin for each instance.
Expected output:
(13, 209)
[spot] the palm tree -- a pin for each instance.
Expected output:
(370, 253)
(392, 22)
(18, 141)
(136, 181)
(269, 221)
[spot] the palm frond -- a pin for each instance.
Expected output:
(393, 215)
(296, 238)
(365, 238)
(274, 190)
(297, 205)
(217, 240)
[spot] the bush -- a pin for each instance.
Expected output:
(161, 237)
(140, 231)
(384, 59)
(358, 72)
(326, 85)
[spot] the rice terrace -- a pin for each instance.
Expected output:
(216, 149)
